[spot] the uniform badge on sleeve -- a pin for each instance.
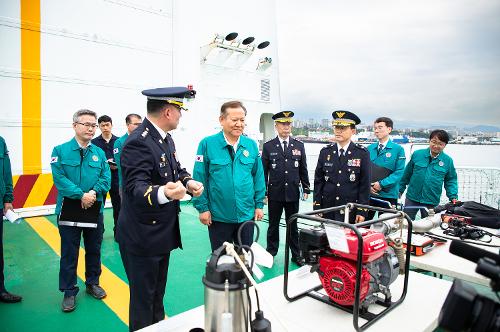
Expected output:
(95, 158)
(53, 160)
(199, 158)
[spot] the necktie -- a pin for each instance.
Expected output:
(231, 151)
(380, 147)
(284, 146)
(341, 156)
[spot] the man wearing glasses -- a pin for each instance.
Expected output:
(343, 171)
(426, 173)
(80, 172)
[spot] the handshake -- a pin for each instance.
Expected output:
(176, 191)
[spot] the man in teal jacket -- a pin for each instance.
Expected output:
(426, 173)
(132, 121)
(80, 171)
(229, 166)
(390, 159)
(6, 198)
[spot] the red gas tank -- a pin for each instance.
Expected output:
(374, 245)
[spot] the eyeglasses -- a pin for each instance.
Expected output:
(135, 123)
(437, 143)
(88, 125)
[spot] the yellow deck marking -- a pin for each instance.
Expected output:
(14, 180)
(40, 190)
(31, 86)
(118, 292)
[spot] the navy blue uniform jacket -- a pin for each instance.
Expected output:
(337, 184)
(284, 171)
(146, 228)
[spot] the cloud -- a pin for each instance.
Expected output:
(426, 60)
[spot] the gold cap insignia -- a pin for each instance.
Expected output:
(340, 114)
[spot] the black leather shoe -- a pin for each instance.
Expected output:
(299, 261)
(96, 291)
(7, 297)
(69, 303)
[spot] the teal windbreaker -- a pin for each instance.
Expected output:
(6, 188)
(73, 175)
(391, 157)
(117, 151)
(233, 188)
(425, 177)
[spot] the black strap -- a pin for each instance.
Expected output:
(231, 151)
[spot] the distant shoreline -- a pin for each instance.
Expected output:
(316, 141)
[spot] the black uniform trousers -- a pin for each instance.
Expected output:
(116, 201)
(147, 277)
(2, 282)
(220, 232)
(275, 210)
(371, 213)
(70, 247)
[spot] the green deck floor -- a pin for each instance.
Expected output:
(32, 267)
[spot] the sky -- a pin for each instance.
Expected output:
(422, 62)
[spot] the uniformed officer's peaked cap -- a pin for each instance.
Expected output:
(283, 116)
(345, 118)
(173, 95)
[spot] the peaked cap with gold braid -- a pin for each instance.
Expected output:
(345, 118)
(283, 116)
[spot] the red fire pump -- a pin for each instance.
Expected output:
(337, 269)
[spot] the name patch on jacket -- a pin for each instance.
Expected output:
(354, 162)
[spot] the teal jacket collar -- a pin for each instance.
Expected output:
(439, 157)
(75, 146)
(222, 141)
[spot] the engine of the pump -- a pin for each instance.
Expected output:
(337, 269)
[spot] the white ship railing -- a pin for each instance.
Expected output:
(480, 184)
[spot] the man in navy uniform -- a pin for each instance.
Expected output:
(343, 171)
(153, 184)
(285, 168)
